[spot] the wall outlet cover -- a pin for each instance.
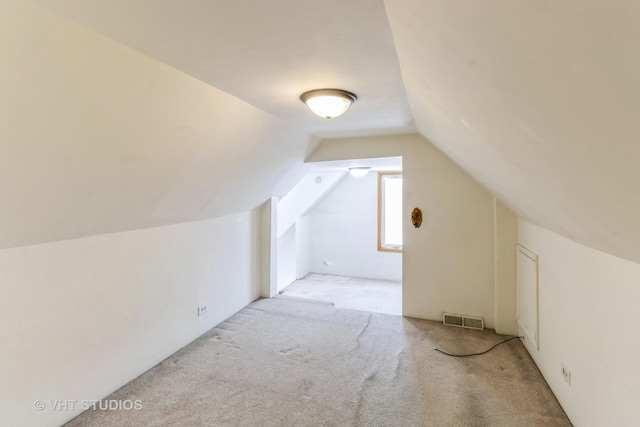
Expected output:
(566, 374)
(202, 310)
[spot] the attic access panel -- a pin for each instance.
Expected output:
(527, 294)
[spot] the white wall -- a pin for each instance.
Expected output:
(80, 318)
(303, 196)
(269, 248)
(344, 233)
(303, 245)
(588, 317)
(449, 263)
(287, 265)
(505, 238)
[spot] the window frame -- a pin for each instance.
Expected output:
(381, 246)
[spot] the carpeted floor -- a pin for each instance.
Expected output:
(379, 296)
(290, 362)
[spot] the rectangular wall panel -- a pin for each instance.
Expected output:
(527, 293)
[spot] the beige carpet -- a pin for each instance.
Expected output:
(288, 362)
(378, 296)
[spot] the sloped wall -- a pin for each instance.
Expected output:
(304, 196)
(98, 138)
(588, 309)
(538, 101)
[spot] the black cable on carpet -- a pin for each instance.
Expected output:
(476, 354)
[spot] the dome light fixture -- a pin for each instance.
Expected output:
(359, 171)
(328, 103)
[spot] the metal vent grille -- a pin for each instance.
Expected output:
(453, 320)
(463, 321)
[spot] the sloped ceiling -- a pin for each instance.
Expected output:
(539, 101)
(97, 138)
(128, 114)
(267, 53)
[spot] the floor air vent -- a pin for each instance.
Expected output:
(463, 321)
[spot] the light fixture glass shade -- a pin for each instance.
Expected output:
(359, 171)
(328, 103)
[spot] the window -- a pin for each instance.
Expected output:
(390, 211)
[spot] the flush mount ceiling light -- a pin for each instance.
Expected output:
(359, 171)
(328, 103)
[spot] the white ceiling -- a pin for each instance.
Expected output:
(538, 100)
(96, 138)
(268, 53)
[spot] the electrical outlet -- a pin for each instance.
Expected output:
(566, 374)
(202, 310)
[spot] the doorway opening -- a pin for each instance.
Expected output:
(344, 245)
